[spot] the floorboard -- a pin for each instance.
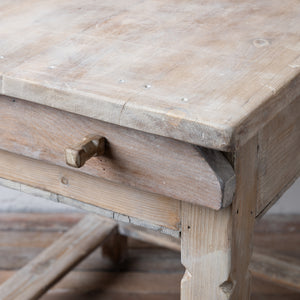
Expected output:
(149, 272)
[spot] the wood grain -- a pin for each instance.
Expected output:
(279, 156)
(218, 243)
(34, 279)
(143, 161)
(275, 259)
(153, 273)
(236, 66)
(243, 219)
(278, 269)
(150, 236)
(279, 234)
(108, 281)
(205, 252)
(154, 208)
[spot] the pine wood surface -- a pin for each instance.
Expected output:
(206, 249)
(96, 192)
(219, 244)
(143, 161)
(278, 156)
(209, 73)
(150, 272)
(52, 264)
(243, 219)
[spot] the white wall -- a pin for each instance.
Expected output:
(14, 201)
(289, 203)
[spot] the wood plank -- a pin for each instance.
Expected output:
(142, 258)
(85, 208)
(122, 63)
(150, 236)
(108, 281)
(34, 222)
(285, 272)
(23, 236)
(264, 290)
(279, 156)
(52, 226)
(70, 295)
(279, 234)
(143, 161)
(93, 286)
(96, 192)
(51, 265)
(33, 239)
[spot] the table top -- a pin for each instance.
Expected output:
(206, 72)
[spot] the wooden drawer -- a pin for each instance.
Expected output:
(143, 161)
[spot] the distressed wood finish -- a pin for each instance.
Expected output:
(216, 245)
(91, 146)
(35, 278)
(144, 161)
(279, 155)
(117, 70)
(150, 236)
(205, 252)
(235, 67)
(155, 209)
(150, 273)
(284, 271)
(243, 218)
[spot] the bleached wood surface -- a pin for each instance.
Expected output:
(35, 278)
(216, 246)
(120, 218)
(209, 73)
(279, 156)
(93, 194)
(143, 161)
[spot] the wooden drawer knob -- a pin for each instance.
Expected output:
(77, 155)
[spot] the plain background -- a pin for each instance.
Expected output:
(14, 201)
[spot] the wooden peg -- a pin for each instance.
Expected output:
(77, 155)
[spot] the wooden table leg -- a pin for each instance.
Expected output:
(115, 248)
(216, 245)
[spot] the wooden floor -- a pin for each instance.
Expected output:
(149, 273)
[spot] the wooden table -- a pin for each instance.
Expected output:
(198, 104)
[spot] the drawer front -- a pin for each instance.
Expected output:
(143, 161)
